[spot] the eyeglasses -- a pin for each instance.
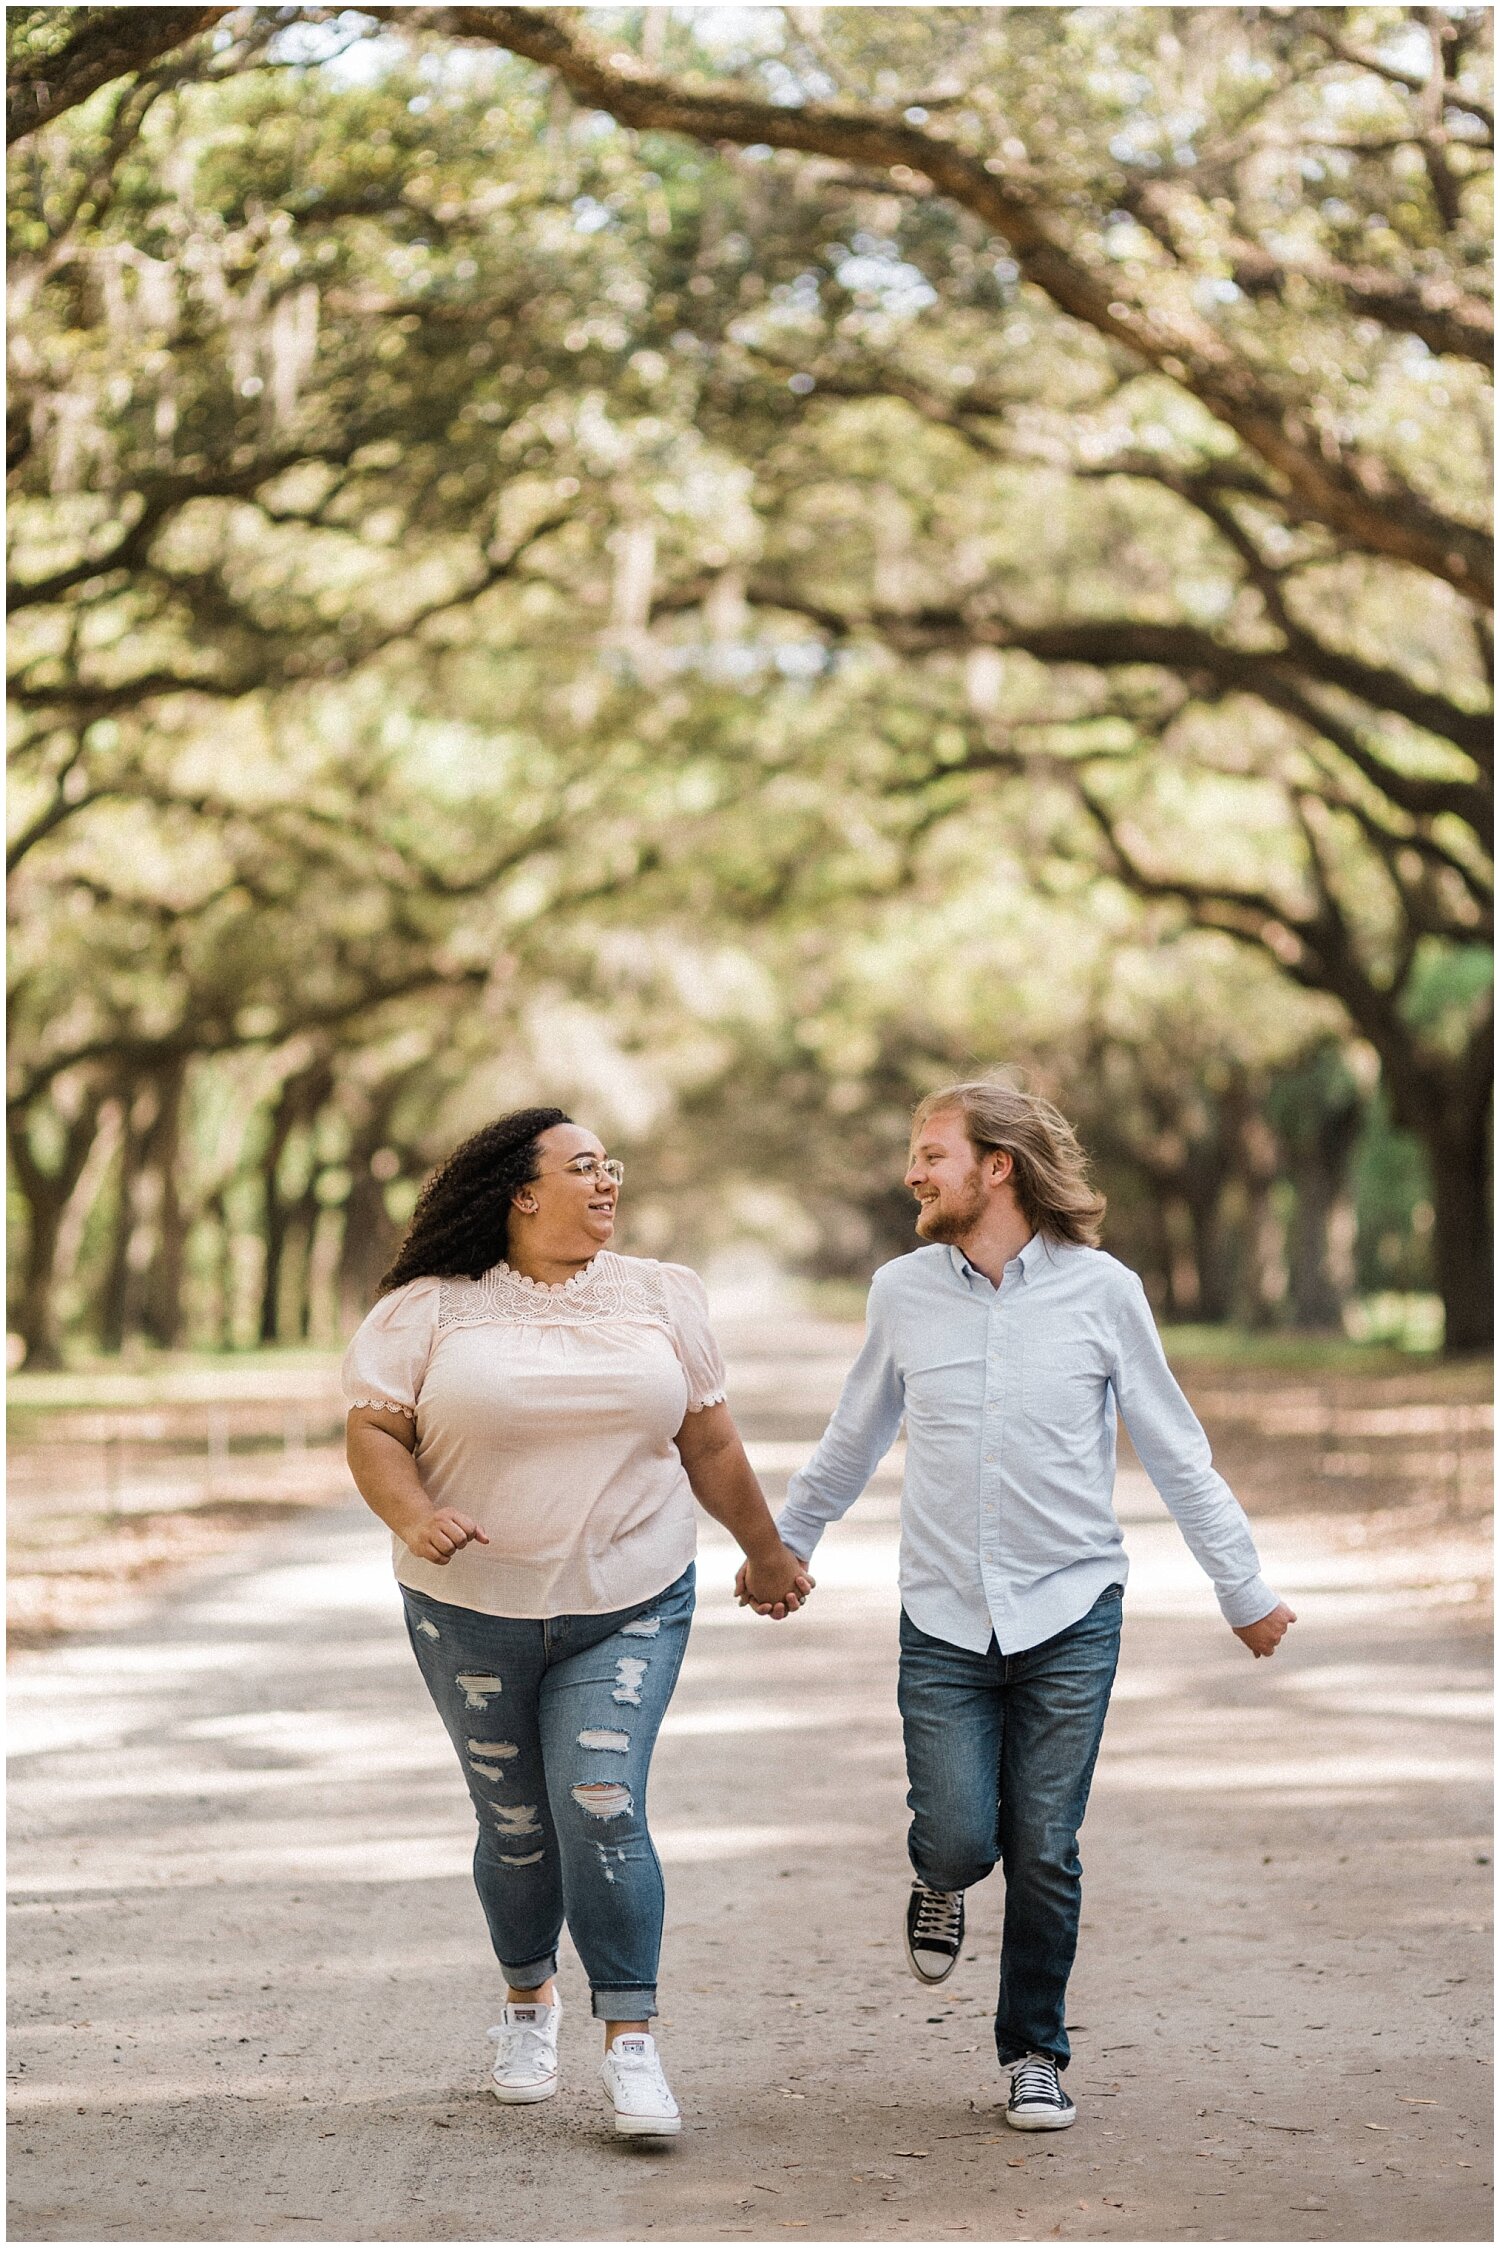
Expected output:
(606, 1169)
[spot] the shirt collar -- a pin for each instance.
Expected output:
(1036, 1248)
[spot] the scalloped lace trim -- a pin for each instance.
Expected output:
(720, 1397)
(610, 1288)
(384, 1405)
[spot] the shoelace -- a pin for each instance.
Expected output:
(1036, 2080)
(512, 2040)
(646, 2071)
(939, 1915)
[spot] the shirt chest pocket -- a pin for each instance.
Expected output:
(1062, 1381)
(940, 1394)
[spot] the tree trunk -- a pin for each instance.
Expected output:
(367, 1242)
(47, 1194)
(1260, 1280)
(1320, 1243)
(1462, 1247)
(113, 1294)
(142, 1293)
(301, 1097)
(1448, 1107)
(273, 1235)
(162, 1279)
(303, 1232)
(35, 1315)
(367, 1236)
(220, 1309)
(1215, 1274)
(1184, 1285)
(1159, 1277)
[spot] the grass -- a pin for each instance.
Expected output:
(1398, 1334)
(146, 1377)
(1290, 1353)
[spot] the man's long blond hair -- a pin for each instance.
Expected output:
(1051, 1170)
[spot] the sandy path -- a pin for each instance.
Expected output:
(249, 1985)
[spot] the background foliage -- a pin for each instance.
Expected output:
(723, 566)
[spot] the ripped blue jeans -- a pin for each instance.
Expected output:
(554, 1722)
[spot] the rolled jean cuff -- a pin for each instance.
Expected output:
(635, 2005)
(531, 1974)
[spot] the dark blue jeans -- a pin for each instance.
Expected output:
(554, 1721)
(1000, 1751)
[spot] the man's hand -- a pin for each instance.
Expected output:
(1265, 1637)
(774, 1584)
(438, 1536)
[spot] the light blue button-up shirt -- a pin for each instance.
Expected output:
(1009, 1396)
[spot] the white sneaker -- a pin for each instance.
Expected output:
(643, 2102)
(526, 2053)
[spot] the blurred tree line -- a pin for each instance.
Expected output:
(725, 568)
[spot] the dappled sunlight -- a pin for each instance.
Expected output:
(1347, 1776)
(277, 1852)
(239, 1827)
(710, 1844)
(1371, 1690)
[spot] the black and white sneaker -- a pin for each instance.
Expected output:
(1037, 2100)
(934, 1931)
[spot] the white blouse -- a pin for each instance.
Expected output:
(547, 1414)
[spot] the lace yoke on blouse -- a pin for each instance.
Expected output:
(612, 1287)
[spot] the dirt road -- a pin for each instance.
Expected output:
(249, 1983)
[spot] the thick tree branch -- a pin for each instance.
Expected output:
(107, 43)
(269, 658)
(1276, 676)
(1436, 310)
(1358, 495)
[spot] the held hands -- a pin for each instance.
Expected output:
(440, 1535)
(774, 1584)
(1265, 1637)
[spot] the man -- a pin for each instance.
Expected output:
(1006, 1343)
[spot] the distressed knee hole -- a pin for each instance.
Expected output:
(427, 1628)
(629, 1671)
(603, 1799)
(516, 1818)
(478, 1689)
(486, 1757)
(598, 1736)
(644, 1627)
(535, 1859)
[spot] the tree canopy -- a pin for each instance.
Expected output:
(501, 499)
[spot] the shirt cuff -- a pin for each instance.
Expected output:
(1247, 1603)
(797, 1533)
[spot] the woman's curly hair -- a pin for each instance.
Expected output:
(461, 1224)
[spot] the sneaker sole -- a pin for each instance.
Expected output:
(647, 2126)
(1051, 2122)
(523, 2095)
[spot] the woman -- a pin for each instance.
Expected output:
(533, 1417)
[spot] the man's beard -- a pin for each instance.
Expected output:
(951, 1220)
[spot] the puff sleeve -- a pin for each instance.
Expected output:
(692, 1337)
(387, 1359)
